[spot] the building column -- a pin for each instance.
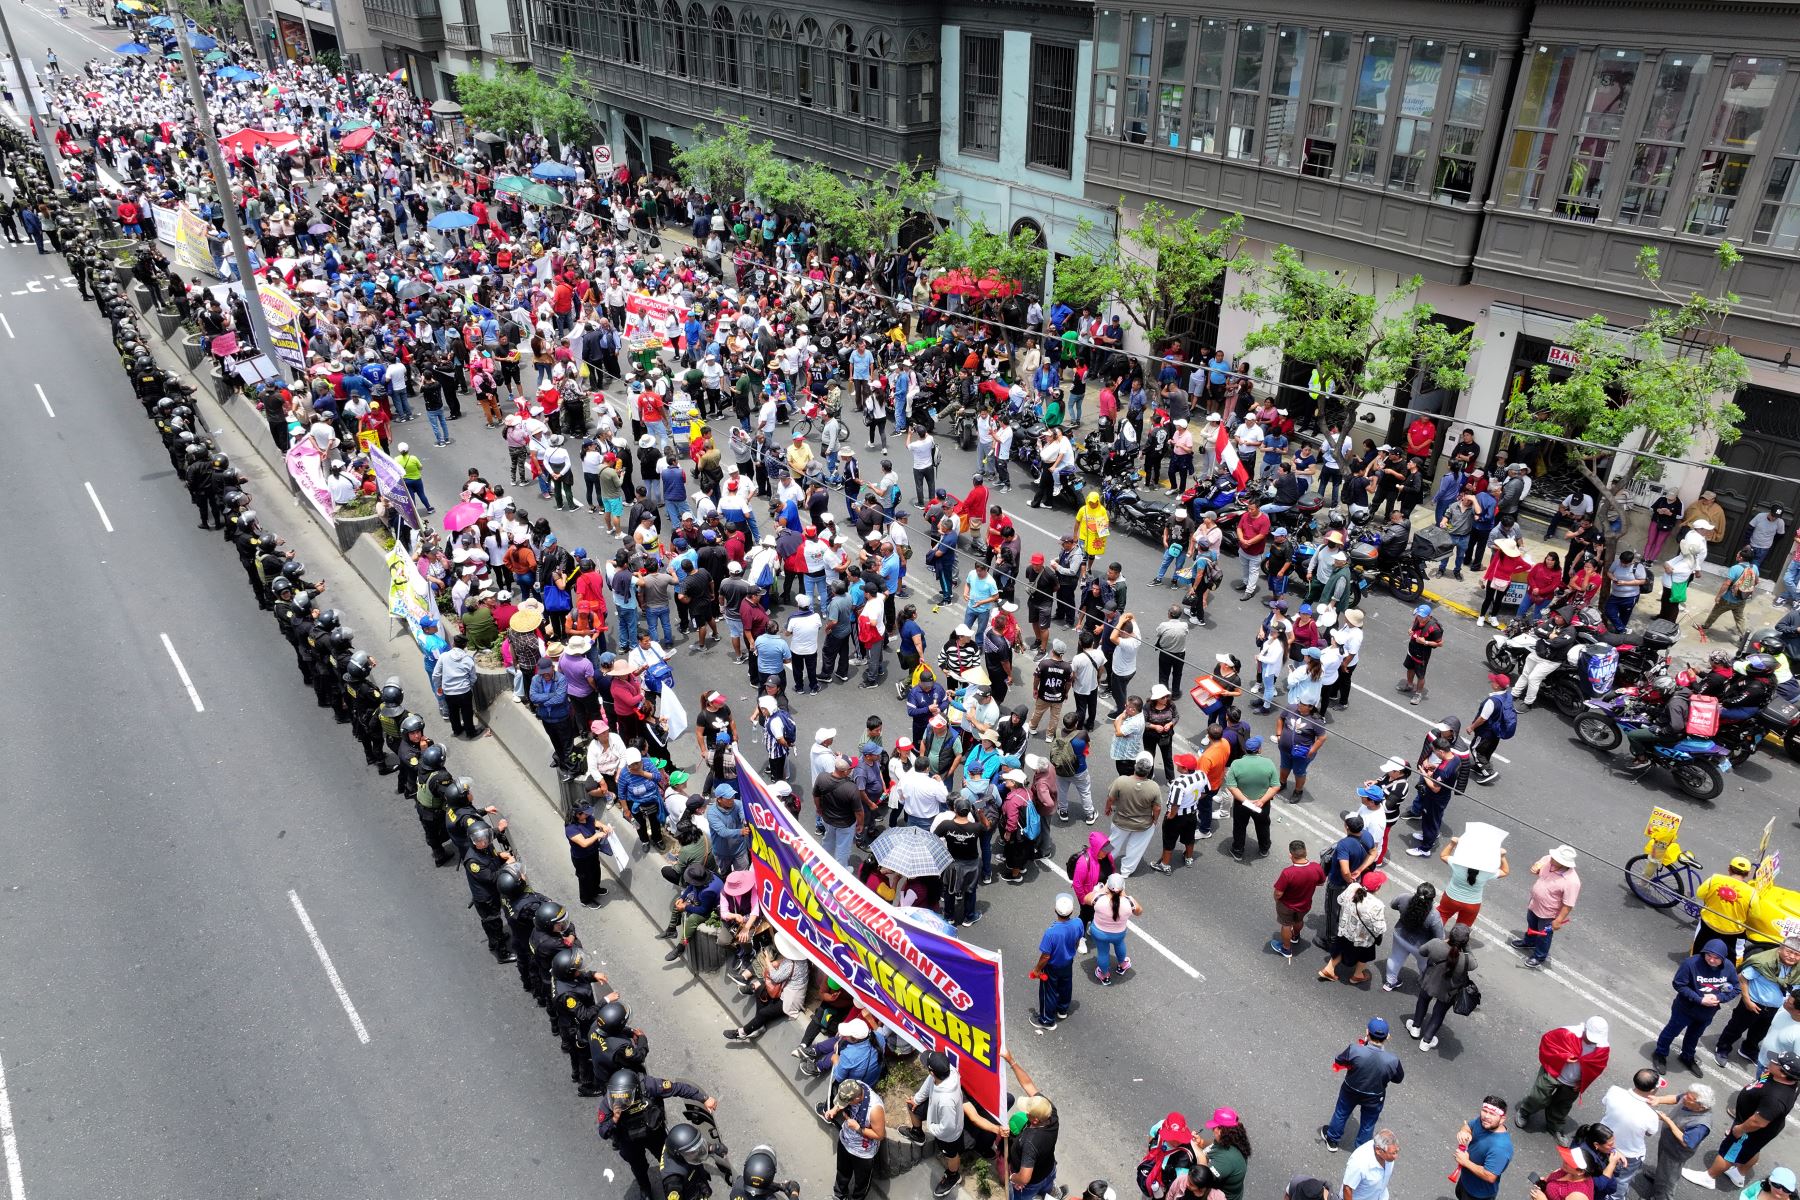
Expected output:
(1484, 400)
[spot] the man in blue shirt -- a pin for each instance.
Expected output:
(674, 494)
(1354, 853)
(981, 592)
(772, 655)
(861, 362)
(1056, 964)
(725, 830)
(1483, 1150)
(1369, 1067)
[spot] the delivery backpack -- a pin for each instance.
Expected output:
(1703, 716)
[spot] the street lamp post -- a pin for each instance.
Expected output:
(234, 229)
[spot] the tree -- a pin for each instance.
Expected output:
(731, 164)
(982, 252)
(865, 214)
(558, 107)
(226, 16)
(1656, 386)
(1177, 266)
(1359, 344)
(503, 104)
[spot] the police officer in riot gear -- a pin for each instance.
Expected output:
(318, 655)
(392, 712)
(481, 868)
(411, 748)
(634, 1121)
(519, 904)
(463, 814)
(573, 1002)
(552, 932)
(758, 1179)
(681, 1171)
(613, 1044)
(365, 700)
(301, 629)
(434, 779)
(339, 646)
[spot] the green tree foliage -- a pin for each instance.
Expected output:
(865, 213)
(516, 101)
(226, 16)
(1163, 266)
(983, 252)
(560, 111)
(1654, 387)
(731, 163)
(1359, 343)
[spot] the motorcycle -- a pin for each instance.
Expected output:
(1697, 765)
(1210, 495)
(1404, 575)
(1131, 514)
(1778, 719)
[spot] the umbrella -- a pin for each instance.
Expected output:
(911, 852)
(552, 170)
(318, 230)
(172, 56)
(134, 6)
(936, 922)
(353, 124)
(541, 193)
(452, 220)
(199, 41)
(154, 22)
(463, 515)
(415, 289)
(214, 56)
(131, 48)
(356, 139)
(511, 184)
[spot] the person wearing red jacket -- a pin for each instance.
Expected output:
(972, 509)
(1570, 1059)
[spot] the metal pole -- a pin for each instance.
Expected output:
(45, 141)
(234, 229)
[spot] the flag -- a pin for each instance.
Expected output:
(398, 76)
(1228, 456)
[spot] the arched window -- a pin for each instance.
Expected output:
(697, 41)
(809, 51)
(724, 47)
(920, 87)
(1032, 229)
(844, 72)
(674, 32)
(781, 56)
(631, 44)
(756, 65)
(881, 101)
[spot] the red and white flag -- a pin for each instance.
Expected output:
(1227, 455)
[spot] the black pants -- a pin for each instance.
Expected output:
(638, 1156)
(431, 820)
(1087, 708)
(368, 731)
(562, 736)
(649, 824)
(1428, 1015)
(837, 658)
(492, 926)
(854, 1175)
(1339, 692)
(1241, 816)
(587, 878)
(768, 1012)
(1478, 540)
(1752, 1027)
(806, 670)
(1168, 669)
(462, 713)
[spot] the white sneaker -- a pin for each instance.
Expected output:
(1428, 1044)
(1411, 1028)
(1081, 947)
(1700, 1178)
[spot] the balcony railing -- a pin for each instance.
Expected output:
(462, 35)
(416, 21)
(513, 47)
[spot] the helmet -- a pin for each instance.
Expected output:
(294, 569)
(141, 362)
(232, 497)
(283, 586)
(184, 412)
(433, 757)
(1760, 664)
(166, 405)
(342, 639)
(481, 834)
(360, 661)
(303, 599)
(393, 693)
(1767, 641)
(1721, 658)
(759, 1171)
(612, 1018)
(550, 918)
(685, 1143)
(221, 463)
(566, 964)
(453, 794)
(413, 723)
(196, 450)
(624, 1086)
(510, 881)
(1686, 678)
(328, 620)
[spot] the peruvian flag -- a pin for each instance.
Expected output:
(1227, 454)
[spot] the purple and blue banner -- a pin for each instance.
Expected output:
(937, 992)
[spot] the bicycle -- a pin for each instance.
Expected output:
(1665, 878)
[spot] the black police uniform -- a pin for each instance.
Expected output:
(318, 656)
(199, 484)
(544, 946)
(285, 611)
(638, 1132)
(389, 717)
(572, 1000)
(519, 914)
(300, 632)
(479, 869)
(428, 803)
(335, 697)
(365, 698)
(679, 1179)
(610, 1052)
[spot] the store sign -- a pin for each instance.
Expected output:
(1562, 356)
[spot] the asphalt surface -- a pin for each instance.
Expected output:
(1254, 1032)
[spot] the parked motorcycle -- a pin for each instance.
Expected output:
(1778, 719)
(1697, 765)
(1404, 576)
(1130, 514)
(1210, 495)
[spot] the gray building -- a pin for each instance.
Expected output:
(1514, 155)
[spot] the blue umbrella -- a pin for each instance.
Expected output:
(131, 48)
(160, 23)
(200, 41)
(552, 170)
(452, 220)
(235, 73)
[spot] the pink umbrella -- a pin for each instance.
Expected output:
(463, 515)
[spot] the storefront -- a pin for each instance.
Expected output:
(1768, 443)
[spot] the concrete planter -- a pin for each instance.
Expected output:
(349, 529)
(190, 350)
(492, 685)
(223, 386)
(140, 295)
(168, 323)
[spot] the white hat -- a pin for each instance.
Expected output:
(1393, 764)
(1702, 523)
(401, 448)
(803, 600)
(1181, 422)
(788, 948)
(1595, 1029)
(823, 735)
(1035, 762)
(1065, 904)
(633, 756)
(1563, 856)
(767, 704)
(1159, 692)
(856, 1029)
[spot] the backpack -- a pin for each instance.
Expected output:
(1744, 586)
(1153, 1174)
(1031, 825)
(1062, 756)
(1505, 722)
(1703, 716)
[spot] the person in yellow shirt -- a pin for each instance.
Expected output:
(1724, 907)
(1091, 525)
(799, 455)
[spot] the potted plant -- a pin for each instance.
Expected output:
(492, 678)
(705, 949)
(190, 345)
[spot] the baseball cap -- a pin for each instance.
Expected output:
(1595, 1030)
(1372, 880)
(1253, 744)
(855, 1029)
(1784, 1179)
(1065, 904)
(1378, 1026)
(1369, 791)
(1424, 610)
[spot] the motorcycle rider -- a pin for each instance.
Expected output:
(1556, 640)
(1668, 725)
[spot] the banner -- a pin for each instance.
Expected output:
(193, 242)
(223, 343)
(390, 481)
(283, 316)
(166, 221)
(408, 596)
(306, 465)
(937, 992)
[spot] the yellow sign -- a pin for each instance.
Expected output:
(1767, 869)
(193, 242)
(1663, 825)
(1762, 845)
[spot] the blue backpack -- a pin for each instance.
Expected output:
(1506, 717)
(1033, 823)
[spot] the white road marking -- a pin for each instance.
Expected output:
(1181, 964)
(337, 985)
(45, 399)
(182, 671)
(8, 324)
(1406, 711)
(15, 1173)
(103, 518)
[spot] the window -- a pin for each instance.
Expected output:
(1541, 96)
(1731, 142)
(1171, 94)
(1323, 112)
(981, 94)
(1368, 115)
(1105, 121)
(781, 57)
(675, 45)
(1137, 78)
(1470, 101)
(843, 73)
(921, 79)
(880, 102)
(756, 61)
(1209, 77)
(725, 48)
(1281, 130)
(630, 33)
(1050, 131)
(1247, 64)
(1778, 219)
(1418, 109)
(808, 53)
(1674, 89)
(697, 66)
(1602, 121)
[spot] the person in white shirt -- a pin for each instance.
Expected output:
(1631, 1114)
(1368, 1170)
(922, 797)
(803, 629)
(340, 485)
(924, 463)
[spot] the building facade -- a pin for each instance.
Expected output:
(1516, 156)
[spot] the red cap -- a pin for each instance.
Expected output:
(1037, 560)
(1187, 762)
(1175, 1131)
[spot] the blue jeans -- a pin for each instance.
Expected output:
(1531, 610)
(821, 596)
(1056, 991)
(1348, 1098)
(440, 428)
(1757, 556)
(417, 488)
(1618, 611)
(1173, 557)
(402, 408)
(1790, 581)
(654, 617)
(675, 509)
(1688, 1022)
(1108, 948)
(1462, 553)
(1036, 1188)
(977, 619)
(1539, 936)
(840, 842)
(628, 626)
